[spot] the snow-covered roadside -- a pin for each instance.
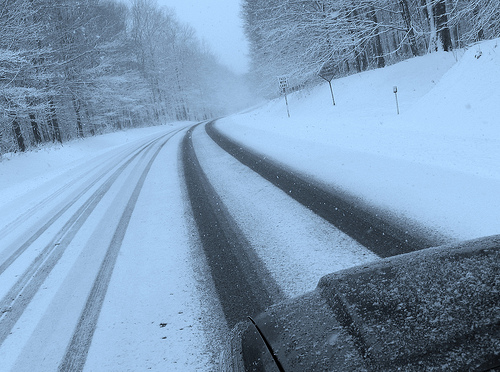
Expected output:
(436, 162)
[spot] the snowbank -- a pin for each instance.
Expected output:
(435, 163)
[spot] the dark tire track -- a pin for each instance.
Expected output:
(370, 227)
(11, 225)
(242, 282)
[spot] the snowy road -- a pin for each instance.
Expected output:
(145, 256)
(82, 282)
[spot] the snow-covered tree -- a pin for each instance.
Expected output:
(73, 68)
(298, 38)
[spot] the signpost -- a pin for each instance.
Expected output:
(327, 72)
(283, 83)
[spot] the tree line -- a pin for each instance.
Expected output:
(75, 68)
(300, 38)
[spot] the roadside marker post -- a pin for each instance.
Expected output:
(395, 90)
(283, 83)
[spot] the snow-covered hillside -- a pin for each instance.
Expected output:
(435, 163)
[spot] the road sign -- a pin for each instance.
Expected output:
(327, 71)
(283, 81)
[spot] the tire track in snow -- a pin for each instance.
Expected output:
(54, 215)
(77, 350)
(27, 214)
(366, 225)
(243, 284)
(13, 304)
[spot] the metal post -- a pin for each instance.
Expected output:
(395, 90)
(331, 90)
(283, 84)
(286, 100)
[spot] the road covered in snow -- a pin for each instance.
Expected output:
(141, 249)
(104, 266)
(71, 234)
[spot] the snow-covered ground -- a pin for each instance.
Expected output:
(435, 163)
(159, 312)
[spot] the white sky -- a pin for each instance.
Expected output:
(218, 22)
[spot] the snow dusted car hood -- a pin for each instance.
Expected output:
(434, 309)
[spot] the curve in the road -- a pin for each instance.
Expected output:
(371, 228)
(242, 282)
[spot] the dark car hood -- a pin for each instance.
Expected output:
(434, 309)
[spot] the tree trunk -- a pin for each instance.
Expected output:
(440, 36)
(79, 125)
(379, 51)
(18, 134)
(54, 123)
(36, 129)
(405, 13)
(46, 135)
(357, 62)
(441, 22)
(429, 14)
(480, 31)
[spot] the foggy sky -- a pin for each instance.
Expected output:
(219, 24)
